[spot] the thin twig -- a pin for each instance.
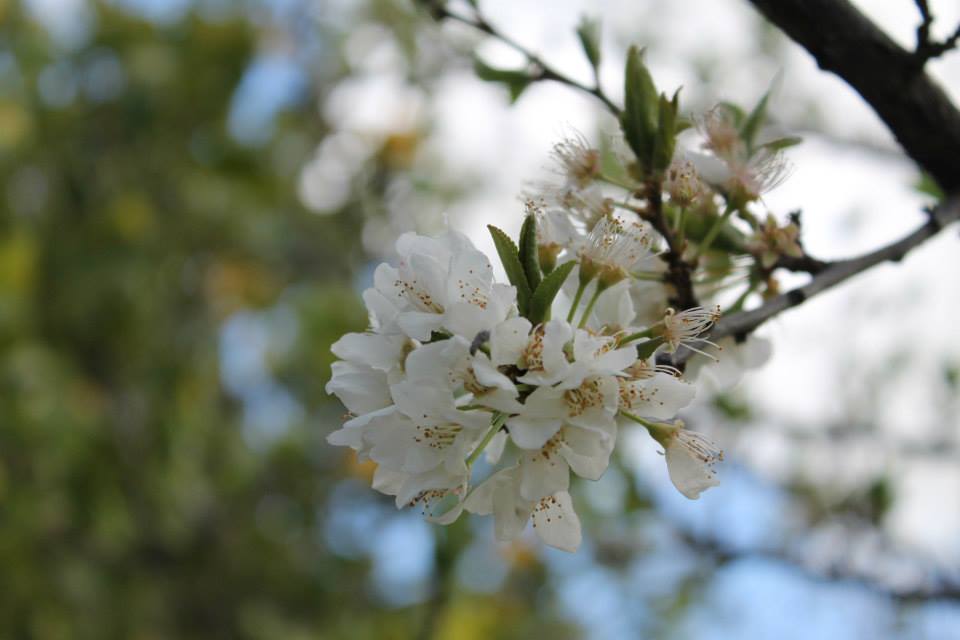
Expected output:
(542, 70)
(926, 48)
(741, 324)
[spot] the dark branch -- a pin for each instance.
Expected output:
(927, 48)
(844, 41)
(741, 324)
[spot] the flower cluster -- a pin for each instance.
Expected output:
(451, 369)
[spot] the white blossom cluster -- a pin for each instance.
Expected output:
(450, 369)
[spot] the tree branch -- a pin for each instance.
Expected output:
(891, 79)
(741, 324)
(927, 48)
(543, 71)
(722, 554)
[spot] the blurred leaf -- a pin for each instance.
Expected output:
(588, 31)
(515, 80)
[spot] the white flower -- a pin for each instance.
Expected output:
(549, 358)
(592, 406)
(576, 161)
(691, 462)
(733, 359)
(438, 494)
(734, 168)
(614, 248)
(440, 283)
(683, 183)
(585, 451)
(654, 392)
(686, 326)
(614, 310)
(362, 381)
(449, 363)
(425, 432)
(554, 519)
(540, 351)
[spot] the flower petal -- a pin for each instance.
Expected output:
(556, 523)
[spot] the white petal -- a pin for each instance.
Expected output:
(661, 396)
(532, 433)
(594, 419)
(426, 404)
(690, 473)
(542, 474)
(430, 275)
(467, 320)
(498, 399)
(494, 450)
(588, 452)
(489, 376)
(556, 523)
(436, 360)
(508, 340)
(372, 349)
(419, 324)
(712, 170)
(470, 277)
(480, 499)
(557, 333)
(510, 513)
(381, 310)
(386, 281)
(614, 307)
(360, 388)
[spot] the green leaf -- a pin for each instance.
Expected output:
(589, 33)
(510, 258)
(751, 126)
(542, 299)
(516, 80)
(666, 138)
(925, 184)
(529, 253)
(781, 143)
(639, 116)
(737, 114)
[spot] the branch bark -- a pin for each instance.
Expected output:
(891, 79)
(741, 324)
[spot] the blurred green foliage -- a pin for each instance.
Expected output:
(132, 227)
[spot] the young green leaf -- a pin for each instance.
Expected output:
(510, 258)
(639, 117)
(781, 143)
(516, 80)
(666, 138)
(751, 126)
(543, 297)
(529, 252)
(589, 33)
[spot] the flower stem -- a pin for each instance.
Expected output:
(498, 421)
(618, 183)
(590, 305)
(659, 431)
(576, 300)
(712, 233)
(648, 276)
(681, 227)
(647, 333)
